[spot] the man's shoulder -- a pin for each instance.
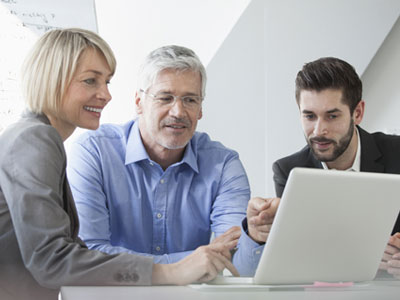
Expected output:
(282, 167)
(106, 132)
(384, 143)
(382, 139)
(202, 143)
(379, 152)
(298, 159)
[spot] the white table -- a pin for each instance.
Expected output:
(375, 290)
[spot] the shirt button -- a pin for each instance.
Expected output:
(159, 216)
(151, 164)
(258, 252)
(162, 180)
(158, 248)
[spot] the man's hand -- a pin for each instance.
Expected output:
(231, 236)
(391, 258)
(202, 265)
(260, 215)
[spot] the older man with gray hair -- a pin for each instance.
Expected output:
(156, 187)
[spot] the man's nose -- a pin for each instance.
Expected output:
(177, 109)
(320, 128)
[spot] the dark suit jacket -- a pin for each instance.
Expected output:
(379, 153)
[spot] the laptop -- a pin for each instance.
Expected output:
(330, 226)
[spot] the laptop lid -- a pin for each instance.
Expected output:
(330, 226)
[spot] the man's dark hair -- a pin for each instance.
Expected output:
(330, 73)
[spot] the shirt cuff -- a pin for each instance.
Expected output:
(249, 253)
(245, 229)
(248, 242)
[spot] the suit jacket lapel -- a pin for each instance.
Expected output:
(370, 153)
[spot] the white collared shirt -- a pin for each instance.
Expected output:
(357, 161)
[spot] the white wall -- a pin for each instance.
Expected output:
(381, 83)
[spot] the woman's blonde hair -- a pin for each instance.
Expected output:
(48, 69)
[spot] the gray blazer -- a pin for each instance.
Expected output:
(39, 247)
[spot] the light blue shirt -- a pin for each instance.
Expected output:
(127, 203)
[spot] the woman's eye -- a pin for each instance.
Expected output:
(90, 81)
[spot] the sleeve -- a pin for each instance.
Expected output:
(230, 204)
(33, 183)
(86, 179)
(229, 209)
(248, 255)
(106, 247)
(280, 178)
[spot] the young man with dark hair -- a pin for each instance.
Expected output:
(329, 97)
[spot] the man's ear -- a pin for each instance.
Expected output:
(358, 113)
(200, 114)
(138, 103)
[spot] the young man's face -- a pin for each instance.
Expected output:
(327, 123)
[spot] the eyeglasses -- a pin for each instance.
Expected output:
(168, 100)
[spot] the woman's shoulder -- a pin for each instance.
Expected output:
(30, 135)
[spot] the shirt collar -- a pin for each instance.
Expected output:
(190, 157)
(357, 160)
(135, 150)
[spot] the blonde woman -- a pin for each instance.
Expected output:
(65, 84)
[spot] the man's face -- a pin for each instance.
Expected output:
(327, 123)
(169, 125)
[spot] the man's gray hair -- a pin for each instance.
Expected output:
(170, 57)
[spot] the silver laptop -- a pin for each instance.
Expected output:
(331, 226)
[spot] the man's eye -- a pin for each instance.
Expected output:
(189, 99)
(333, 116)
(309, 117)
(165, 98)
